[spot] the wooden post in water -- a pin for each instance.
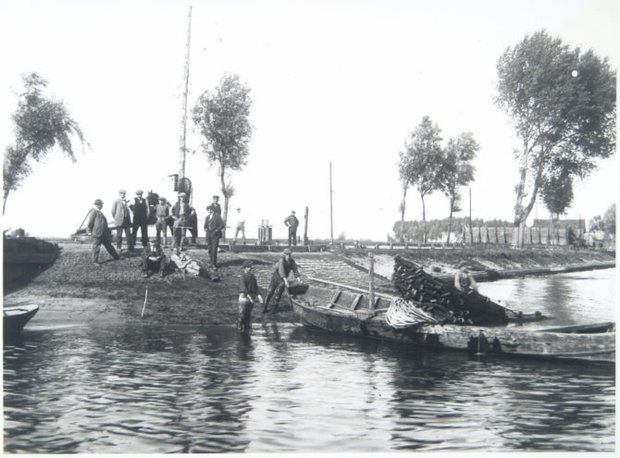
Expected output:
(371, 282)
(306, 227)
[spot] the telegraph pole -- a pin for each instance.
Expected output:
(182, 148)
(331, 208)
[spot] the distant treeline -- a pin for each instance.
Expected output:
(437, 229)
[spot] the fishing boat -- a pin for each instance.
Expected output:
(389, 318)
(15, 318)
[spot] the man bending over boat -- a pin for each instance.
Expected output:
(279, 279)
(463, 281)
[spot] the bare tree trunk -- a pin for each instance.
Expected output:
(402, 213)
(6, 196)
(522, 212)
(423, 218)
(450, 220)
(226, 197)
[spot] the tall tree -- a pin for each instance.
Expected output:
(222, 115)
(41, 123)
(420, 163)
(457, 170)
(563, 104)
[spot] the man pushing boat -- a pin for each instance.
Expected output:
(279, 279)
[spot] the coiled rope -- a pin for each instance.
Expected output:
(402, 314)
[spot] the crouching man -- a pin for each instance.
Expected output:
(154, 260)
(247, 297)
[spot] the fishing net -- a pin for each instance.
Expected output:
(402, 314)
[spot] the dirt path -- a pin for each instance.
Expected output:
(75, 290)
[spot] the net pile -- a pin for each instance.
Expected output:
(441, 299)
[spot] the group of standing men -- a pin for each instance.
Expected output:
(179, 218)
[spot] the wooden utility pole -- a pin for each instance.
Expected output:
(306, 227)
(471, 231)
(331, 208)
(182, 147)
(371, 282)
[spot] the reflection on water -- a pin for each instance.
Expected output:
(145, 388)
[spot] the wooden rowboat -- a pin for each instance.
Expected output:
(348, 312)
(15, 318)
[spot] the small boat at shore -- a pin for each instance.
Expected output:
(348, 312)
(15, 318)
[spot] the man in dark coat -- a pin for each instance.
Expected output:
(279, 279)
(100, 232)
(214, 225)
(248, 295)
(140, 210)
(292, 223)
(154, 260)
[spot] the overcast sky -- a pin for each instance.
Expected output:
(340, 81)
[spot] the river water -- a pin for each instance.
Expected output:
(141, 388)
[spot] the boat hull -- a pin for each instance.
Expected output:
(500, 340)
(15, 318)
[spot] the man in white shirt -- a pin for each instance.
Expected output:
(240, 218)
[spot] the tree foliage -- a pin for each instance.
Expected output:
(606, 223)
(222, 116)
(457, 169)
(562, 103)
(557, 192)
(41, 123)
(421, 161)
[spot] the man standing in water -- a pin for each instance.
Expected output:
(247, 297)
(100, 232)
(279, 279)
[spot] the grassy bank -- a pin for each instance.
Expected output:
(75, 290)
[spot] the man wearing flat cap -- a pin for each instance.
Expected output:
(279, 279)
(214, 225)
(216, 205)
(162, 213)
(140, 210)
(122, 220)
(100, 232)
(180, 214)
(292, 223)
(248, 295)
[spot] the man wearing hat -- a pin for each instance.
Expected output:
(140, 210)
(100, 232)
(180, 214)
(248, 295)
(122, 220)
(292, 223)
(154, 260)
(214, 225)
(279, 279)
(162, 213)
(216, 206)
